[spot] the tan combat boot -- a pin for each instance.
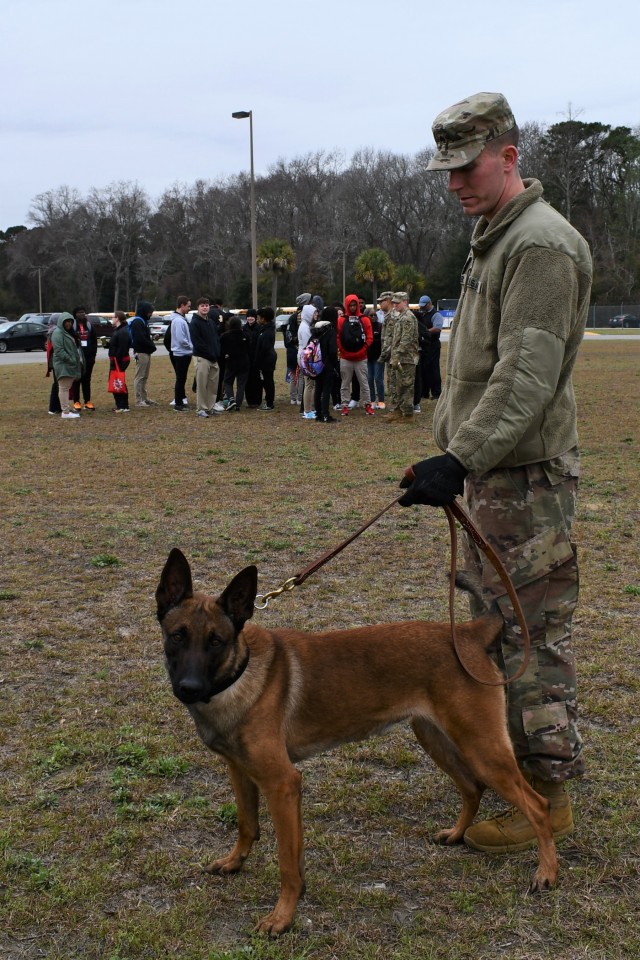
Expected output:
(510, 830)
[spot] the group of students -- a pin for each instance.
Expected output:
(335, 358)
(337, 355)
(234, 361)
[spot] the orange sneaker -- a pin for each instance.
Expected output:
(89, 406)
(77, 405)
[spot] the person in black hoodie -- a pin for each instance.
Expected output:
(143, 347)
(325, 329)
(265, 355)
(206, 348)
(234, 346)
(254, 384)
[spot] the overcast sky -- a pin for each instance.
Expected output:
(96, 91)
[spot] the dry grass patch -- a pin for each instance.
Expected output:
(111, 804)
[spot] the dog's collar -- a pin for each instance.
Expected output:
(232, 678)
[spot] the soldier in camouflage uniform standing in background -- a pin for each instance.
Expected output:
(385, 304)
(404, 353)
(507, 421)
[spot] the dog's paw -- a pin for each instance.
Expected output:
(541, 882)
(225, 866)
(274, 925)
(448, 837)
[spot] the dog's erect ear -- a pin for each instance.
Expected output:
(238, 599)
(175, 583)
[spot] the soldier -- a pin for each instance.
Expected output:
(386, 306)
(403, 358)
(506, 421)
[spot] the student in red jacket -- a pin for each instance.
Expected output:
(355, 336)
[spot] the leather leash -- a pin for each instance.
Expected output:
(454, 512)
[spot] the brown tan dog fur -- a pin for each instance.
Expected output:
(266, 699)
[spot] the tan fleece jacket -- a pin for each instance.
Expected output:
(508, 398)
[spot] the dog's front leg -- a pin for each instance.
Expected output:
(283, 796)
(248, 826)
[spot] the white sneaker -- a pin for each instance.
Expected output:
(294, 403)
(142, 403)
(70, 416)
(352, 404)
(203, 413)
(310, 415)
(416, 408)
(337, 406)
(219, 407)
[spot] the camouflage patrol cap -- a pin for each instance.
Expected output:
(387, 295)
(399, 296)
(462, 131)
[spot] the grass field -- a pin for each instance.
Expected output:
(110, 803)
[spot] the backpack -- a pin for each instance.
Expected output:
(311, 362)
(291, 332)
(352, 335)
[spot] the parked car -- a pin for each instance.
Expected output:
(22, 336)
(103, 328)
(624, 320)
(42, 318)
(158, 327)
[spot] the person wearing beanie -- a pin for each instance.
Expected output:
(143, 347)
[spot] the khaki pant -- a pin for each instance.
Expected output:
(143, 362)
(347, 370)
(64, 386)
(308, 404)
(207, 376)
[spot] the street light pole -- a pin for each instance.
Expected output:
(242, 115)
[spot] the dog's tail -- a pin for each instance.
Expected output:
(470, 583)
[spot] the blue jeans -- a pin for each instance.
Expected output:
(375, 375)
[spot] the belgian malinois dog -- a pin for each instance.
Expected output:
(266, 699)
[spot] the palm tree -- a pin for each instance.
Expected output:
(374, 265)
(406, 277)
(275, 256)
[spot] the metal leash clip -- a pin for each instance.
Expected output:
(265, 597)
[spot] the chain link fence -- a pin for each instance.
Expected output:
(600, 316)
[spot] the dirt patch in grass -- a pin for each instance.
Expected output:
(110, 803)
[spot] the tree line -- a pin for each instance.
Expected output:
(322, 221)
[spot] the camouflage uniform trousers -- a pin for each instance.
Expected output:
(526, 514)
(405, 382)
(392, 387)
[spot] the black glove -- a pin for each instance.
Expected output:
(437, 481)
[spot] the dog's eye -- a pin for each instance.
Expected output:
(178, 637)
(214, 640)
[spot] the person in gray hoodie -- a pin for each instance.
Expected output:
(308, 316)
(182, 350)
(67, 362)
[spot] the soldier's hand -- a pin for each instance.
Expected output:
(435, 482)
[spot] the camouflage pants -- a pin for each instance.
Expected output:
(392, 387)
(405, 380)
(526, 514)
